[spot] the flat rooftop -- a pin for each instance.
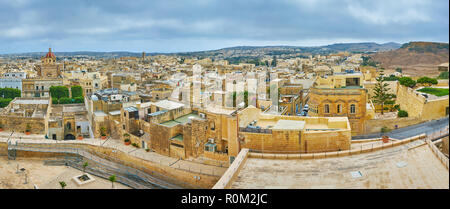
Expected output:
(78, 108)
(169, 105)
(289, 125)
(408, 166)
(31, 101)
(181, 120)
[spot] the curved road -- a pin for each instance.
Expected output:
(402, 133)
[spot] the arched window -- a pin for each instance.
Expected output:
(339, 108)
(352, 109)
(68, 125)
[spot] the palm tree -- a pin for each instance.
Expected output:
(63, 184)
(84, 166)
(112, 179)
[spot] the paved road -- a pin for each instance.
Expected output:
(402, 133)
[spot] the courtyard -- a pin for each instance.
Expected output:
(43, 176)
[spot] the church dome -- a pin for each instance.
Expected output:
(50, 54)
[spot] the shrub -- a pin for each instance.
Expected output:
(78, 100)
(389, 102)
(402, 113)
(9, 93)
(59, 91)
(126, 140)
(55, 100)
(406, 81)
(135, 145)
(443, 75)
(397, 107)
(427, 80)
(385, 129)
(77, 91)
(385, 108)
(5, 102)
(65, 100)
(102, 131)
(390, 78)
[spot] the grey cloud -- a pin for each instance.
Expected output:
(177, 25)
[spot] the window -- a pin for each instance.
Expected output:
(352, 109)
(68, 125)
(42, 87)
(327, 108)
(213, 126)
(339, 108)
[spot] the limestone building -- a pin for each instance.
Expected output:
(49, 68)
(292, 134)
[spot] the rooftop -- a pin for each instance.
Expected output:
(181, 120)
(408, 166)
(289, 125)
(31, 101)
(169, 105)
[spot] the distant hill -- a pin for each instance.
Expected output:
(418, 58)
(364, 47)
(240, 51)
(414, 53)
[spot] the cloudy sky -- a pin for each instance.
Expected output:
(193, 25)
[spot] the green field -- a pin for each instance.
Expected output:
(434, 91)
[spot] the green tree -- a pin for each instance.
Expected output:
(427, 80)
(59, 91)
(398, 70)
(112, 179)
(390, 78)
(274, 61)
(4, 102)
(55, 100)
(79, 100)
(9, 93)
(407, 81)
(77, 91)
(381, 95)
(65, 100)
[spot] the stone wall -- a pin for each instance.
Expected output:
(417, 106)
(19, 124)
(375, 125)
(233, 171)
(216, 156)
(167, 173)
(445, 145)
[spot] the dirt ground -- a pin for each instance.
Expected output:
(44, 176)
(416, 70)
